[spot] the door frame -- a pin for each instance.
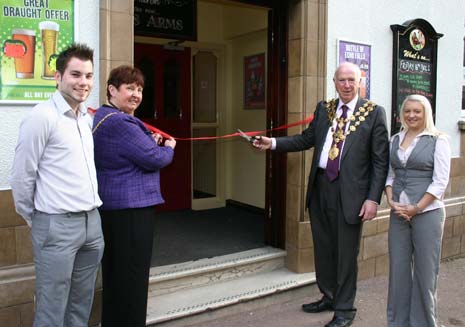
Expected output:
(276, 163)
(220, 199)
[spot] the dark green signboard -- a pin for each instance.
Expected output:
(414, 65)
(172, 19)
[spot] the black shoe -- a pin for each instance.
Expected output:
(340, 321)
(319, 306)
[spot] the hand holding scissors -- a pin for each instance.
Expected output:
(251, 139)
(259, 142)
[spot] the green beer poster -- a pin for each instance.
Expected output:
(32, 33)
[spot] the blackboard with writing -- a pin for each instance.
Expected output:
(414, 65)
(172, 19)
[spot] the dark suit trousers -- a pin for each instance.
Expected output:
(128, 237)
(336, 244)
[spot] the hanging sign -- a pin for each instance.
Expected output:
(171, 19)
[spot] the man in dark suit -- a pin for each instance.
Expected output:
(349, 168)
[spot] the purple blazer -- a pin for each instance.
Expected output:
(128, 161)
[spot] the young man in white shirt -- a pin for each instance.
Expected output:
(55, 190)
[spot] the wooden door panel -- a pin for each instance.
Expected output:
(166, 105)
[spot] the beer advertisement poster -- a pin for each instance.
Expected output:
(33, 33)
(359, 54)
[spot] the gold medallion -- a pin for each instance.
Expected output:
(356, 119)
(333, 152)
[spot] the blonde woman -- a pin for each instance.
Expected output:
(417, 179)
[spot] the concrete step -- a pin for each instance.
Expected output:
(177, 277)
(180, 291)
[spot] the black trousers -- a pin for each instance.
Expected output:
(336, 245)
(128, 235)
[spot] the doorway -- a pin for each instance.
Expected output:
(196, 89)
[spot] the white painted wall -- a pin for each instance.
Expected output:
(86, 31)
(369, 22)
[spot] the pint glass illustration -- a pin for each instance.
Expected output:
(49, 34)
(24, 65)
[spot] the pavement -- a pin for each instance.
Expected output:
(371, 303)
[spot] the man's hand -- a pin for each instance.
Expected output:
(369, 210)
(262, 143)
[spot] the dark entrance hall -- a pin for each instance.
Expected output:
(191, 235)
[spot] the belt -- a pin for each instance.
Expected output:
(68, 214)
(78, 214)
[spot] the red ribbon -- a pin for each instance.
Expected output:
(253, 133)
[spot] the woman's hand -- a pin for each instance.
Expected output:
(393, 204)
(157, 137)
(407, 211)
(171, 143)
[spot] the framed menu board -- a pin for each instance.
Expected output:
(414, 65)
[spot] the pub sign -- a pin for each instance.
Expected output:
(171, 19)
(414, 65)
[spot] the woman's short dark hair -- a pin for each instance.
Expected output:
(124, 74)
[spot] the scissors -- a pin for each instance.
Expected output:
(247, 137)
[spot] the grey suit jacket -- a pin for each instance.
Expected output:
(364, 162)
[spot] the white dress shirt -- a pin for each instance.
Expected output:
(53, 169)
(442, 154)
(329, 136)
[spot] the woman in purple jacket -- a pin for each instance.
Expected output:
(128, 159)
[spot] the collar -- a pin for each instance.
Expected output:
(63, 107)
(351, 104)
(424, 132)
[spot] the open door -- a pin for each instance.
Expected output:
(166, 105)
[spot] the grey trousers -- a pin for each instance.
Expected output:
(67, 253)
(414, 254)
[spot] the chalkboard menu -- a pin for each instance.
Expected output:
(172, 19)
(414, 65)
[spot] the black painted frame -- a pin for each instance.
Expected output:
(431, 36)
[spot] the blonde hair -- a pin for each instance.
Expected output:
(429, 122)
